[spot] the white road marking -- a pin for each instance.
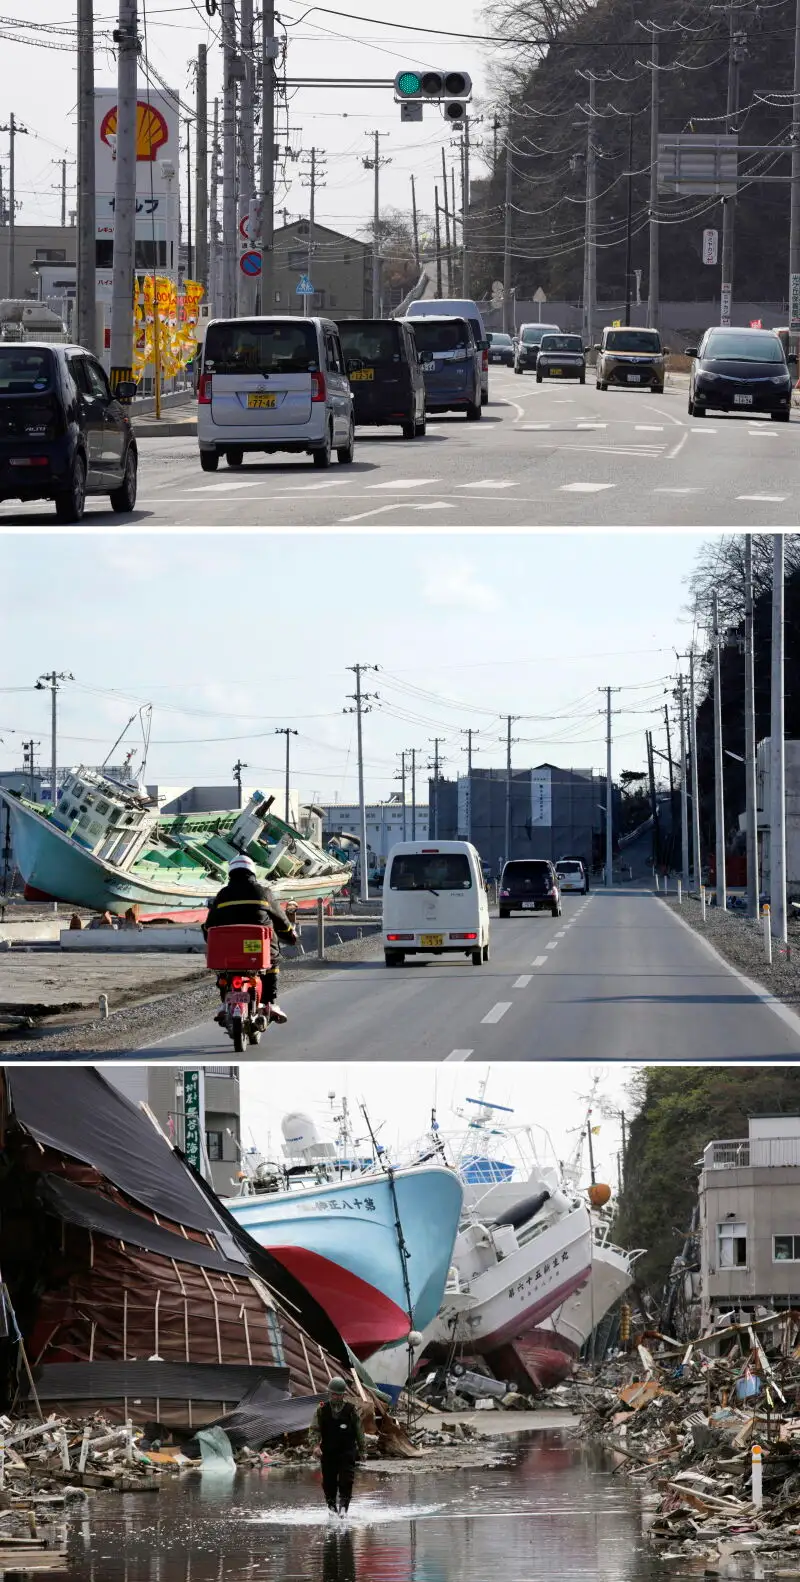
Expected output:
(561, 933)
(704, 430)
(766, 499)
(649, 452)
(540, 961)
(530, 428)
(459, 1054)
(552, 945)
(678, 491)
(377, 510)
(584, 488)
(522, 981)
(676, 449)
(217, 488)
(312, 488)
(497, 1012)
(580, 426)
(404, 483)
(490, 483)
(435, 505)
(649, 428)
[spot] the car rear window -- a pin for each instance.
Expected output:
(428, 870)
(245, 346)
(24, 371)
(568, 867)
(371, 342)
(499, 340)
(633, 341)
(525, 872)
(726, 344)
(562, 343)
(534, 333)
(441, 335)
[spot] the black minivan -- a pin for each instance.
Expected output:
(63, 433)
(529, 884)
(385, 373)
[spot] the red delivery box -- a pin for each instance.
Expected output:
(239, 947)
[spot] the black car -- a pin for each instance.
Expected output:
(63, 434)
(529, 884)
(561, 357)
(385, 372)
(501, 348)
(528, 342)
(740, 371)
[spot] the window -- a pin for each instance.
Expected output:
(332, 354)
(441, 335)
(98, 384)
(214, 1146)
(250, 346)
(24, 370)
(732, 1245)
(431, 870)
(786, 1249)
(50, 255)
(143, 254)
(298, 259)
(730, 346)
(646, 342)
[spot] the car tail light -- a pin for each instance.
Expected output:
(204, 390)
(236, 983)
(28, 461)
(505, 892)
(395, 937)
(318, 391)
(463, 936)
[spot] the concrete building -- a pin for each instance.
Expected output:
(385, 825)
(161, 1089)
(749, 1233)
(554, 812)
(340, 268)
(221, 799)
(764, 799)
(34, 244)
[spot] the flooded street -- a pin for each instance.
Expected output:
(553, 1511)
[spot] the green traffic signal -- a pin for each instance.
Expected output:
(408, 83)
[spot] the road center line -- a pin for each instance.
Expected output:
(522, 981)
(539, 962)
(497, 1012)
(552, 945)
(377, 510)
(458, 1054)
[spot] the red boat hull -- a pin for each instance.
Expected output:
(364, 1316)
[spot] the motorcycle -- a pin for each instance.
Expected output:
(239, 954)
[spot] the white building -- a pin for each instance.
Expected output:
(385, 825)
(764, 799)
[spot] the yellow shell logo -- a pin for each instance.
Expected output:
(152, 131)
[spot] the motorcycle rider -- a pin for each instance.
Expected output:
(244, 900)
(337, 1433)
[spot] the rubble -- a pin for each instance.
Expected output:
(689, 1422)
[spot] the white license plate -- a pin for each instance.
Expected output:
(529, 906)
(428, 368)
(238, 999)
(634, 379)
(743, 400)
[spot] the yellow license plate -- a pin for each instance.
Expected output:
(363, 373)
(261, 400)
(556, 370)
(431, 940)
(251, 947)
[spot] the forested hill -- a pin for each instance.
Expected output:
(544, 90)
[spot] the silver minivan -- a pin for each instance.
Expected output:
(270, 384)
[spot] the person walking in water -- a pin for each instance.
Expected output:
(337, 1433)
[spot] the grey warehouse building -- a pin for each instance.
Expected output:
(554, 812)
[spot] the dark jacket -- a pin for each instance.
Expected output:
(339, 1434)
(244, 900)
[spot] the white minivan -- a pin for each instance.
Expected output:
(435, 902)
(459, 308)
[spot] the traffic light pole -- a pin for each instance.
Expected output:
(465, 212)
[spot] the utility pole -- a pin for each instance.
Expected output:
(629, 227)
(438, 244)
(653, 800)
(402, 758)
(684, 791)
(362, 700)
(719, 789)
(201, 167)
(653, 284)
(14, 131)
(672, 819)
(50, 681)
(507, 326)
(465, 272)
(237, 775)
(794, 216)
(696, 856)
(415, 221)
(448, 252)
(313, 183)
(609, 792)
(127, 40)
(777, 826)
(729, 204)
(213, 243)
(265, 227)
(189, 249)
(413, 754)
(469, 735)
(374, 164)
(227, 306)
(62, 188)
(591, 227)
(509, 722)
(247, 285)
(286, 731)
(750, 783)
(436, 740)
(86, 273)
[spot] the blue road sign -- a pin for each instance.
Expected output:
(250, 264)
(304, 287)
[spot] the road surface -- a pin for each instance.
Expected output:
(618, 977)
(543, 455)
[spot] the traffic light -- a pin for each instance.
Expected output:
(451, 87)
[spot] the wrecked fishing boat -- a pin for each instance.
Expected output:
(105, 845)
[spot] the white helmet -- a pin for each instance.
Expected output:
(242, 862)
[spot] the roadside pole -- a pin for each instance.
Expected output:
(609, 796)
(794, 216)
(751, 788)
(266, 210)
(591, 209)
(201, 168)
(696, 854)
(285, 730)
(246, 285)
(213, 240)
(653, 289)
(719, 790)
(508, 789)
(465, 226)
(124, 196)
(684, 791)
(227, 306)
(362, 701)
(777, 833)
(507, 232)
(413, 793)
(85, 328)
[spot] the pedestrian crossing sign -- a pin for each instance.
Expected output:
(304, 287)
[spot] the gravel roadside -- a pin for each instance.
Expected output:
(741, 942)
(171, 1013)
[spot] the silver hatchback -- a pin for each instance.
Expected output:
(270, 384)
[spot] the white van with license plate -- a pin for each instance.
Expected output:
(271, 384)
(435, 902)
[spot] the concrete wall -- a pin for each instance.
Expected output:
(574, 814)
(674, 317)
(384, 824)
(31, 241)
(220, 799)
(161, 1088)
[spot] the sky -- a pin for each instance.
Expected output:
(330, 119)
(233, 640)
(550, 1096)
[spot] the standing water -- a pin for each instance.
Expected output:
(553, 1512)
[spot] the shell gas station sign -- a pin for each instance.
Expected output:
(157, 128)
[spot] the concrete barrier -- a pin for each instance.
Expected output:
(31, 931)
(188, 939)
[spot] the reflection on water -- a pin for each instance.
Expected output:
(553, 1512)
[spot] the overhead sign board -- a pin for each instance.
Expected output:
(541, 798)
(193, 1118)
(710, 246)
(696, 163)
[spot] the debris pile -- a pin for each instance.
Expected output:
(713, 1428)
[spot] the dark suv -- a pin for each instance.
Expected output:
(529, 885)
(63, 434)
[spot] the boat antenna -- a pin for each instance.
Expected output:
(146, 722)
(118, 740)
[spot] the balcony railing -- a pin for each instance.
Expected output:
(759, 1152)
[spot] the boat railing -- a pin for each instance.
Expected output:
(454, 1285)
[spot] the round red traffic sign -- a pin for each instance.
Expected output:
(244, 226)
(250, 264)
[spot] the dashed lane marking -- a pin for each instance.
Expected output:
(522, 981)
(405, 483)
(497, 1012)
(225, 488)
(490, 483)
(552, 945)
(764, 499)
(585, 488)
(459, 1054)
(540, 961)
